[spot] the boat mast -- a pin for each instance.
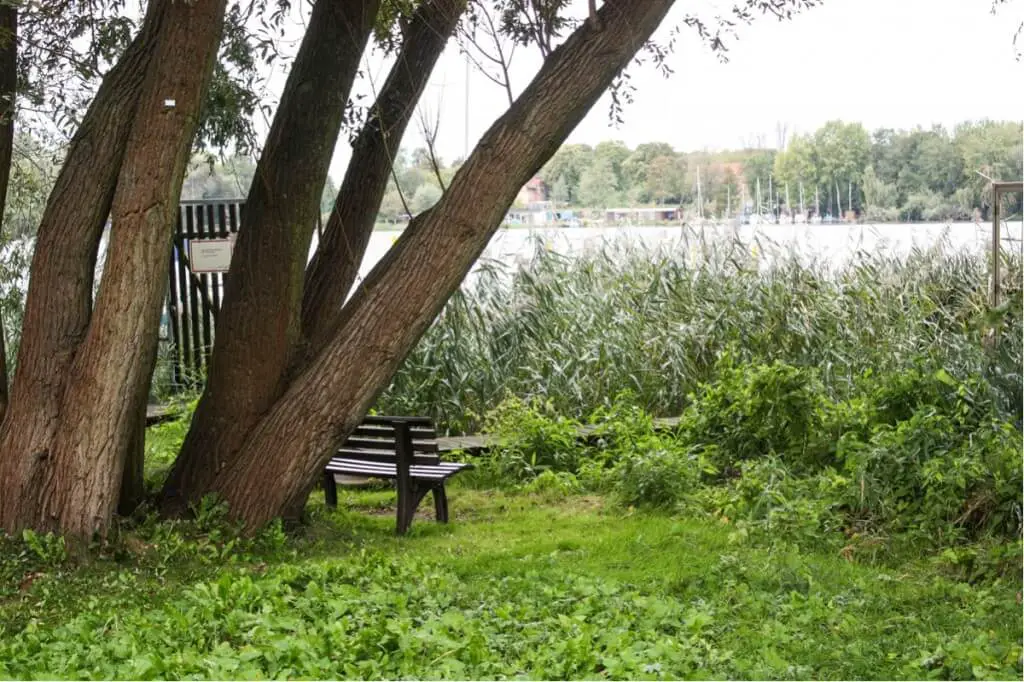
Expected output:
(792, 216)
(700, 202)
(757, 198)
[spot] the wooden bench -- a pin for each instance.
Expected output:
(402, 449)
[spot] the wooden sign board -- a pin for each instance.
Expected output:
(210, 255)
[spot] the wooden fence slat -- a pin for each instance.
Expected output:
(183, 340)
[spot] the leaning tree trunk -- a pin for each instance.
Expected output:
(8, 84)
(109, 378)
(285, 453)
(262, 299)
(335, 264)
(59, 300)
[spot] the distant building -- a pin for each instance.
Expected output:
(533, 192)
(641, 216)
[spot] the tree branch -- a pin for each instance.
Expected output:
(336, 263)
(261, 302)
(8, 84)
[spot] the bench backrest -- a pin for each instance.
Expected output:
(374, 440)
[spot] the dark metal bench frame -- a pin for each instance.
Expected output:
(418, 468)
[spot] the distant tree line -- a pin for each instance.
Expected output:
(919, 174)
(885, 175)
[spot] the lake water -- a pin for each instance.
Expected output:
(830, 244)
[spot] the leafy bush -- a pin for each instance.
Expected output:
(926, 478)
(769, 500)
(658, 474)
(528, 439)
(754, 411)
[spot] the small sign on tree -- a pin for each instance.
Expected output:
(210, 255)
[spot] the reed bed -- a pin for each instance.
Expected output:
(652, 320)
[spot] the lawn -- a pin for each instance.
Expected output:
(519, 585)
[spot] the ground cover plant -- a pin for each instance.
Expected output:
(838, 498)
(521, 585)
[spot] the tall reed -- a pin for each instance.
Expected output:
(576, 331)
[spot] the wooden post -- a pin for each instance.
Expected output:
(995, 246)
(998, 189)
(330, 490)
(406, 504)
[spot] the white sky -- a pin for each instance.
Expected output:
(896, 63)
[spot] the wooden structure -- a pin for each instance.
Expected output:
(194, 293)
(401, 449)
(999, 188)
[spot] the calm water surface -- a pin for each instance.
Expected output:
(831, 244)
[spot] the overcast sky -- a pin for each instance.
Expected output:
(897, 63)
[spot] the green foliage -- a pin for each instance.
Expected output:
(750, 412)
(163, 442)
(657, 474)
(529, 439)
(767, 500)
(521, 588)
(655, 321)
(889, 175)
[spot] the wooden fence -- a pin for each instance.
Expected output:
(193, 298)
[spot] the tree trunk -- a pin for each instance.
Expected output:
(336, 263)
(109, 378)
(59, 300)
(133, 476)
(262, 301)
(286, 452)
(8, 84)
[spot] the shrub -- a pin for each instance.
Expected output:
(770, 501)
(658, 474)
(935, 482)
(753, 411)
(530, 439)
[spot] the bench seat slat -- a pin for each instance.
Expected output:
(387, 420)
(389, 444)
(361, 454)
(418, 435)
(432, 472)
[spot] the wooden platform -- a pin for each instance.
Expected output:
(156, 414)
(477, 443)
(473, 444)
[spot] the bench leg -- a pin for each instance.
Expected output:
(408, 500)
(440, 503)
(330, 490)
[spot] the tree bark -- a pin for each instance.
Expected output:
(262, 300)
(336, 262)
(59, 301)
(286, 452)
(8, 85)
(109, 378)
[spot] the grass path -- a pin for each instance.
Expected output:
(517, 586)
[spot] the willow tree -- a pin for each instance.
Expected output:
(299, 358)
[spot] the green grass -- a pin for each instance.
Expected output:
(517, 586)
